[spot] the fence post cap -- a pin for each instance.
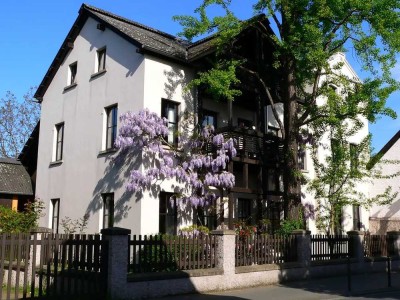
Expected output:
(223, 232)
(41, 230)
(355, 232)
(115, 231)
(301, 232)
(393, 232)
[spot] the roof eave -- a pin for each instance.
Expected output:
(62, 52)
(16, 193)
(384, 149)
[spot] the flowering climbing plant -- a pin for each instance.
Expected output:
(198, 163)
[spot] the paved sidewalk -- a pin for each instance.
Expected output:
(364, 286)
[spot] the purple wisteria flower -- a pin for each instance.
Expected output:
(199, 171)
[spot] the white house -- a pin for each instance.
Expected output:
(109, 65)
(386, 217)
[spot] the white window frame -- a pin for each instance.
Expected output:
(100, 64)
(106, 112)
(51, 214)
(72, 72)
(55, 156)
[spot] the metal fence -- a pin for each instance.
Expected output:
(327, 247)
(265, 249)
(378, 245)
(157, 253)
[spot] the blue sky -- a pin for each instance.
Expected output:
(32, 32)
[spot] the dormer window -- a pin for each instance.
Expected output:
(73, 69)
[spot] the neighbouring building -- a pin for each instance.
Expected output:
(15, 184)
(386, 217)
(108, 65)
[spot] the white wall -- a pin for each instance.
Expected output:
(164, 80)
(84, 173)
(378, 186)
(324, 151)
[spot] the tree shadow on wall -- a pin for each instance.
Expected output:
(119, 168)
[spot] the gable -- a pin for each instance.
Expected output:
(143, 37)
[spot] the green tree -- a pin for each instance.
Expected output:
(12, 221)
(342, 175)
(306, 35)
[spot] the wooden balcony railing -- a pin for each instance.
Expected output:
(254, 144)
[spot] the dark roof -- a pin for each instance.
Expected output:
(144, 36)
(29, 153)
(147, 39)
(14, 179)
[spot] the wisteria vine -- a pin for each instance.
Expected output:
(200, 172)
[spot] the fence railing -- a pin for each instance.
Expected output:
(327, 247)
(13, 247)
(378, 245)
(265, 249)
(157, 253)
(53, 265)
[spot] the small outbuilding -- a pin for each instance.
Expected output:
(15, 184)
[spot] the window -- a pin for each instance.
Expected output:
(55, 212)
(73, 69)
(244, 210)
(246, 124)
(301, 156)
(273, 180)
(101, 60)
(273, 131)
(108, 210)
(169, 110)
(59, 142)
(206, 217)
(356, 217)
(111, 126)
(209, 118)
(168, 221)
(336, 150)
(274, 214)
(353, 157)
(339, 217)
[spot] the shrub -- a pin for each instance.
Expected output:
(194, 231)
(14, 222)
(77, 225)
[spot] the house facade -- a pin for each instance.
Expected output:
(109, 65)
(385, 218)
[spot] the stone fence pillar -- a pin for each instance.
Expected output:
(356, 245)
(394, 239)
(118, 248)
(303, 240)
(225, 240)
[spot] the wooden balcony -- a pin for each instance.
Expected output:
(253, 146)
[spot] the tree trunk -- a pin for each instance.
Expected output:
(291, 171)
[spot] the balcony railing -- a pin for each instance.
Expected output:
(253, 144)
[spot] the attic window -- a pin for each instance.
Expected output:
(101, 59)
(73, 69)
(101, 27)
